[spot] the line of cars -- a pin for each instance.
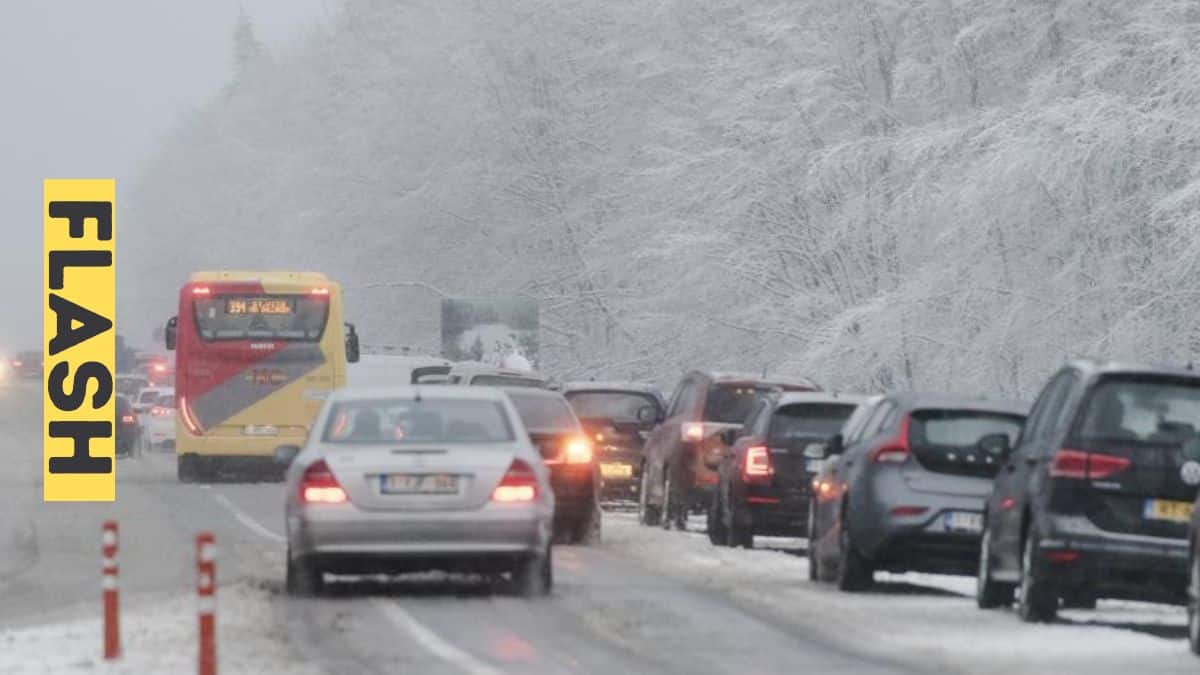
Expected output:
(1090, 493)
(461, 467)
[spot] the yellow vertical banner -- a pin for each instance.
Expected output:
(79, 344)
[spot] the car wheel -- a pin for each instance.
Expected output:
(1194, 601)
(739, 535)
(304, 578)
(716, 520)
(587, 530)
(1036, 601)
(814, 570)
(185, 467)
(989, 593)
(854, 571)
(648, 514)
(534, 576)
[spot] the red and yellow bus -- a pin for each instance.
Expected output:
(256, 353)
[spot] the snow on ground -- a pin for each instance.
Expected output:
(927, 621)
(158, 635)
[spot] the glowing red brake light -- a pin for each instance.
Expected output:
(519, 484)
(127, 419)
(578, 451)
(1081, 465)
(757, 466)
(895, 451)
(319, 486)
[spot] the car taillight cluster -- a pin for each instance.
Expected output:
(519, 484)
(320, 486)
(756, 465)
(1083, 465)
(574, 450)
(160, 411)
(127, 419)
(895, 451)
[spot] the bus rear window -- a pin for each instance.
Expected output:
(297, 318)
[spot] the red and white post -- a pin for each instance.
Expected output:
(206, 601)
(108, 585)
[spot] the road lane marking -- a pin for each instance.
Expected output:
(245, 519)
(431, 641)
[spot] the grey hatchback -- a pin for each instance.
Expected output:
(907, 491)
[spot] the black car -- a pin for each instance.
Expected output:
(617, 416)
(127, 428)
(568, 453)
(764, 481)
(1095, 498)
(27, 365)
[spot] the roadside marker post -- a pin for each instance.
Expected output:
(108, 585)
(206, 601)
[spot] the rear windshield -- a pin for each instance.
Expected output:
(148, 396)
(299, 318)
(622, 406)
(129, 386)
(1146, 411)
(504, 381)
(809, 420)
(166, 401)
(960, 429)
(732, 403)
(543, 413)
(412, 422)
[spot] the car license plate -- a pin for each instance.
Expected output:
(616, 470)
(813, 465)
(1164, 509)
(963, 521)
(419, 484)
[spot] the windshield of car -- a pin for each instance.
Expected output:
(1142, 411)
(621, 406)
(808, 420)
(504, 381)
(166, 401)
(148, 396)
(960, 428)
(732, 403)
(410, 421)
(544, 413)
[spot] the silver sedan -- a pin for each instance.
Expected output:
(417, 478)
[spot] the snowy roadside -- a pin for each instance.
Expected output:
(928, 622)
(158, 635)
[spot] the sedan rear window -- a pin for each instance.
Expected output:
(504, 381)
(544, 413)
(622, 406)
(417, 421)
(1147, 411)
(947, 441)
(731, 404)
(808, 421)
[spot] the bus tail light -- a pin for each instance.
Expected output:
(320, 486)
(189, 420)
(518, 485)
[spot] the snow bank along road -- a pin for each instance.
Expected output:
(644, 601)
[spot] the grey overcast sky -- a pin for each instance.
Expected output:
(89, 88)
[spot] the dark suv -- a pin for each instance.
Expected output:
(617, 416)
(682, 454)
(1095, 498)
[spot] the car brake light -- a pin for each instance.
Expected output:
(693, 432)
(518, 485)
(320, 486)
(1062, 556)
(1080, 465)
(909, 510)
(127, 419)
(578, 451)
(757, 466)
(895, 451)
(17, 364)
(160, 368)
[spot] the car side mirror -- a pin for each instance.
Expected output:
(995, 445)
(284, 454)
(648, 415)
(170, 332)
(351, 344)
(815, 451)
(835, 446)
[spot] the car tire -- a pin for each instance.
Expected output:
(989, 593)
(534, 576)
(814, 565)
(739, 535)
(304, 578)
(854, 570)
(1036, 600)
(185, 467)
(588, 529)
(716, 521)
(1193, 607)
(649, 514)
